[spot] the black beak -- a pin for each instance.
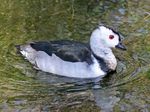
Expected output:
(121, 46)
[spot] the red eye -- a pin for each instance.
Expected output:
(111, 36)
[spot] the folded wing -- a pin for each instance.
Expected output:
(66, 50)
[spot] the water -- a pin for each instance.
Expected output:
(24, 89)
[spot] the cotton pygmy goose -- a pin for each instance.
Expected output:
(75, 59)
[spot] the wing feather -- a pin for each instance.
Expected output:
(66, 50)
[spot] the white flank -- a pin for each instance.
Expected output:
(54, 64)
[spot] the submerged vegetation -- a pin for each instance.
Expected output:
(24, 89)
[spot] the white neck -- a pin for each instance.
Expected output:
(100, 50)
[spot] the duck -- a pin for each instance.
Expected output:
(75, 59)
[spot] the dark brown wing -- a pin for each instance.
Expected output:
(66, 50)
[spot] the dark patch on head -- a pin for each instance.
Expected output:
(112, 30)
(116, 33)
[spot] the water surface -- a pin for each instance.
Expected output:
(24, 89)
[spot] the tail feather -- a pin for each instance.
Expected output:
(18, 49)
(27, 52)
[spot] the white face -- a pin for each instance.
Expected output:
(108, 37)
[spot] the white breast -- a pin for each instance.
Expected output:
(54, 64)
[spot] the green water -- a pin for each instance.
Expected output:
(24, 89)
